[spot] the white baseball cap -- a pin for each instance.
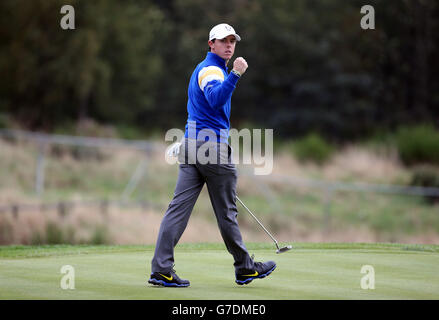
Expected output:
(221, 31)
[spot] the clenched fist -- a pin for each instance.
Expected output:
(240, 65)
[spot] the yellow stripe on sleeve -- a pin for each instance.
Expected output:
(216, 73)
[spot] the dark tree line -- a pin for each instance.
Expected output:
(311, 66)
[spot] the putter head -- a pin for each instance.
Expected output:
(281, 250)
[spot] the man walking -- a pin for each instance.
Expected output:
(209, 103)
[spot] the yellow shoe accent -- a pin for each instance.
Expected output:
(251, 275)
(167, 278)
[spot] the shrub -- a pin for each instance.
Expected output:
(54, 234)
(418, 144)
(313, 148)
(426, 176)
(6, 232)
(100, 236)
(3, 120)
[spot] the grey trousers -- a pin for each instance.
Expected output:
(221, 179)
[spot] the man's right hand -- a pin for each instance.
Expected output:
(240, 65)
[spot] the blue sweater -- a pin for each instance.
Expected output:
(209, 99)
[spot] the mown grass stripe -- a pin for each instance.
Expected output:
(22, 251)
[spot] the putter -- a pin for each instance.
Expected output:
(279, 250)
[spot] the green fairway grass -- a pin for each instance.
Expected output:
(309, 271)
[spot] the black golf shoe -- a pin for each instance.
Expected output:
(260, 270)
(168, 280)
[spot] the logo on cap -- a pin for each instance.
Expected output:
(222, 30)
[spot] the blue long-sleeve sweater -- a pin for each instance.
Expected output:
(209, 99)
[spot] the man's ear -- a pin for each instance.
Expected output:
(210, 43)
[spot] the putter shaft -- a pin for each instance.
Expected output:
(262, 226)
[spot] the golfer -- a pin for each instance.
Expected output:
(207, 132)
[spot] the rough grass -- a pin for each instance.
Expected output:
(291, 212)
(23, 251)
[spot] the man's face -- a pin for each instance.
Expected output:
(225, 48)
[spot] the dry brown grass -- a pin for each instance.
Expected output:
(140, 226)
(361, 164)
(351, 163)
(121, 226)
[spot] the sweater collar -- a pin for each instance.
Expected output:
(217, 59)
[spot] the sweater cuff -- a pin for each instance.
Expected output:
(233, 78)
